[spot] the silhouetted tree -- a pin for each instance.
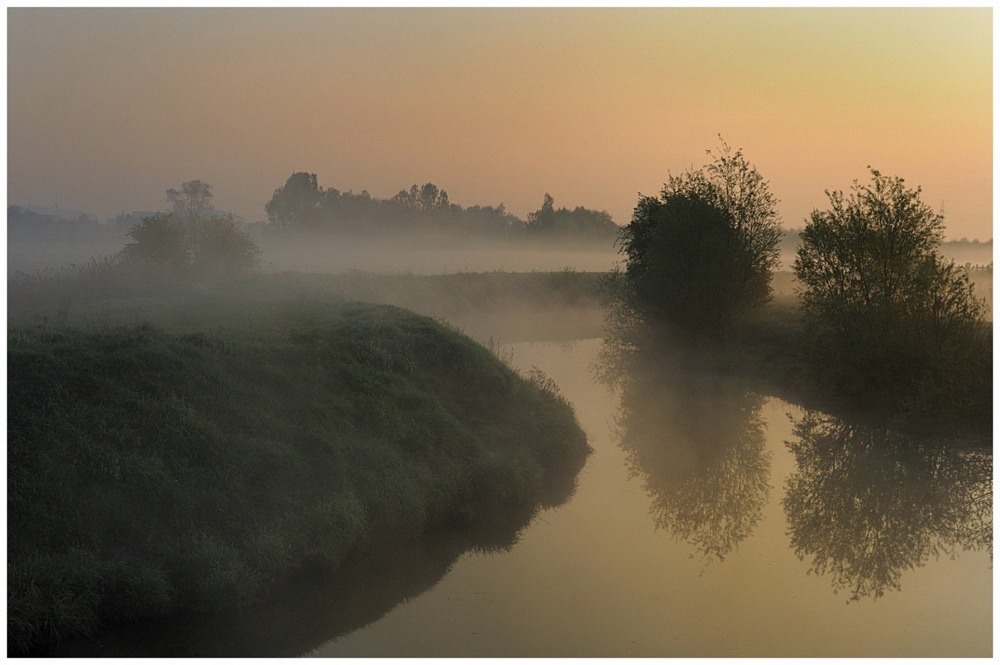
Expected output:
(700, 255)
(890, 319)
(193, 200)
(492, 218)
(295, 202)
(428, 198)
(301, 202)
(543, 219)
(579, 222)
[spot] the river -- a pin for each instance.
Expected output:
(709, 522)
(700, 561)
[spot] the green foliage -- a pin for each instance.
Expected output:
(153, 472)
(52, 596)
(700, 255)
(221, 248)
(891, 321)
(191, 241)
(192, 247)
(160, 239)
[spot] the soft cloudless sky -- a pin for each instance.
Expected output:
(108, 108)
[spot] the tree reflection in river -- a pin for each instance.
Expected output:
(697, 442)
(868, 504)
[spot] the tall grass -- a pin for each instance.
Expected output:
(152, 472)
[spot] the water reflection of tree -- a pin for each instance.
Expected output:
(697, 443)
(867, 504)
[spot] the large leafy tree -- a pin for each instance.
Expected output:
(700, 255)
(888, 317)
(297, 201)
(543, 219)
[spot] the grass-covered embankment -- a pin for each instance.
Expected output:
(154, 472)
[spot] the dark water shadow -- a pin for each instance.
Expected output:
(319, 605)
(697, 443)
(866, 504)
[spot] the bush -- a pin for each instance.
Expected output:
(195, 246)
(699, 257)
(891, 322)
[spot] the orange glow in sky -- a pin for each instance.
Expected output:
(108, 108)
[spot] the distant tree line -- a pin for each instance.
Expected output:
(302, 204)
(191, 241)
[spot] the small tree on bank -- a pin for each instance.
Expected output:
(193, 247)
(192, 240)
(699, 257)
(890, 321)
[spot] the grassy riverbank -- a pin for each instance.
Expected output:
(180, 446)
(771, 351)
(155, 470)
(774, 350)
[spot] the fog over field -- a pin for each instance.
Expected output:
(430, 256)
(427, 255)
(500, 332)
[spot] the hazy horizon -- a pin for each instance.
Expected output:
(108, 108)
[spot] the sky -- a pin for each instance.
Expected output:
(109, 108)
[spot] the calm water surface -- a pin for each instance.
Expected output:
(696, 530)
(710, 521)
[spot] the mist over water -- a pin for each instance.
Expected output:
(712, 520)
(428, 256)
(277, 393)
(692, 535)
